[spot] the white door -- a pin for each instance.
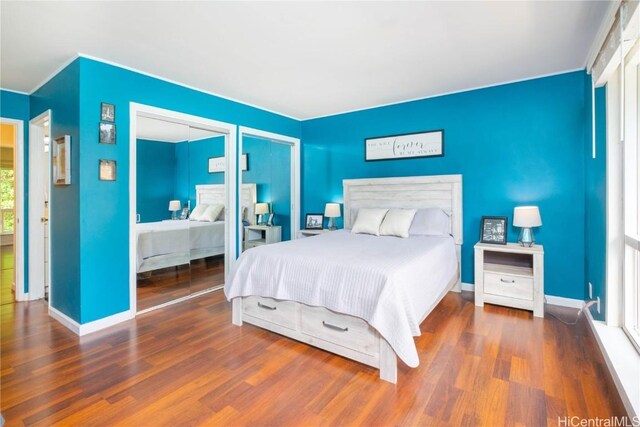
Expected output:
(39, 170)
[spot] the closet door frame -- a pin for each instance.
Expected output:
(243, 132)
(229, 130)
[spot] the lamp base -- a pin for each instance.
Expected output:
(526, 237)
(174, 215)
(332, 224)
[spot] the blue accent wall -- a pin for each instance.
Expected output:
(61, 94)
(596, 202)
(156, 179)
(104, 213)
(269, 168)
(16, 106)
(193, 158)
(514, 144)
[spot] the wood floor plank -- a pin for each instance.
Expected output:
(188, 365)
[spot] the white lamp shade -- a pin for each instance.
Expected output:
(527, 216)
(332, 210)
(262, 208)
(174, 205)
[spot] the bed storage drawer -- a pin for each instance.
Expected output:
(281, 313)
(509, 285)
(343, 330)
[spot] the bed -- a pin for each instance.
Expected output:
(170, 243)
(359, 296)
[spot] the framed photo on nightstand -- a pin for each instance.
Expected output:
(313, 221)
(493, 229)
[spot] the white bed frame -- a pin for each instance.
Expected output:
(346, 335)
(208, 194)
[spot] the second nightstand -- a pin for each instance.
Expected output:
(510, 275)
(310, 233)
(257, 235)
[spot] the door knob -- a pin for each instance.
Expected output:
(44, 220)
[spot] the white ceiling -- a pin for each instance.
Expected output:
(165, 131)
(304, 59)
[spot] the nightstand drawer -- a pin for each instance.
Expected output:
(508, 285)
(279, 312)
(346, 331)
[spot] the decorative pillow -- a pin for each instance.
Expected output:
(211, 213)
(197, 212)
(397, 222)
(221, 214)
(368, 221)
(430, 222)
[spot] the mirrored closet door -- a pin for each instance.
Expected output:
(181, 207)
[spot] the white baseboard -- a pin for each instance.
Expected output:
(87, 328)
(627, 360)
(550, 299)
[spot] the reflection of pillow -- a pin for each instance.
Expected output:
(211, 213)
(431, 222)
(197, 212)
(368, 221)
(221, 214)
(397, 222)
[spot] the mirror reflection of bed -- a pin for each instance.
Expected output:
(178, 254)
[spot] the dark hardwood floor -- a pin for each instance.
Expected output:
(188, 365)
(168, 284)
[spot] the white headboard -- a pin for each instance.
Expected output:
(415, 192)
(211, 194)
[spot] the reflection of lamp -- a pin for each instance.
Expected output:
(262, 209)
(174, 206)
(526, 217)
(332, 211)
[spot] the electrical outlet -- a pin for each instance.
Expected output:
(590, 291)
(598, 304)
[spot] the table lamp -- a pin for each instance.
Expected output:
(174, 206)
(261, 209)
(526, 217)
(332, 211)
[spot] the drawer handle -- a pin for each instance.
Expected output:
(266, 307)
(507, 281)
(334, 327)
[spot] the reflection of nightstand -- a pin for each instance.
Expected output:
(510, 275)
(310, 233)
(257, 235)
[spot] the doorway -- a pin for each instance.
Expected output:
(11, 202)
(174, 254)
(39, 206)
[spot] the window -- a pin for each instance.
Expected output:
(631, 200)
(6, 200)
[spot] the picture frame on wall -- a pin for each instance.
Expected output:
(217, 164)
(405, 146)
(61, 160)
(107, 112)
(107, 170)
(493, 229)
(314, 221)
(107, 133)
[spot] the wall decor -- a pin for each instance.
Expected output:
(493, 229)
(405, 146)
(107, 170)
(107, 133)
(313, 221)
(61, 160)
(107, 112)
(217, 164)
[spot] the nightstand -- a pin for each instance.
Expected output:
(310, 233)
(510, 275)
(258, 235)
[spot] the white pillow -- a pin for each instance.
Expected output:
(197, 212)
(430, 222)
(397, 222)
(211, 213)
(368, 221)
(221, 214)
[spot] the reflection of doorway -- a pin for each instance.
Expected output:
(11, 201)
(165, 271)
(39, 205)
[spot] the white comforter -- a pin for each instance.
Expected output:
(388, 281)
(168, 237)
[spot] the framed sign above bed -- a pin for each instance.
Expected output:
(405, 146)
(217, 164)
